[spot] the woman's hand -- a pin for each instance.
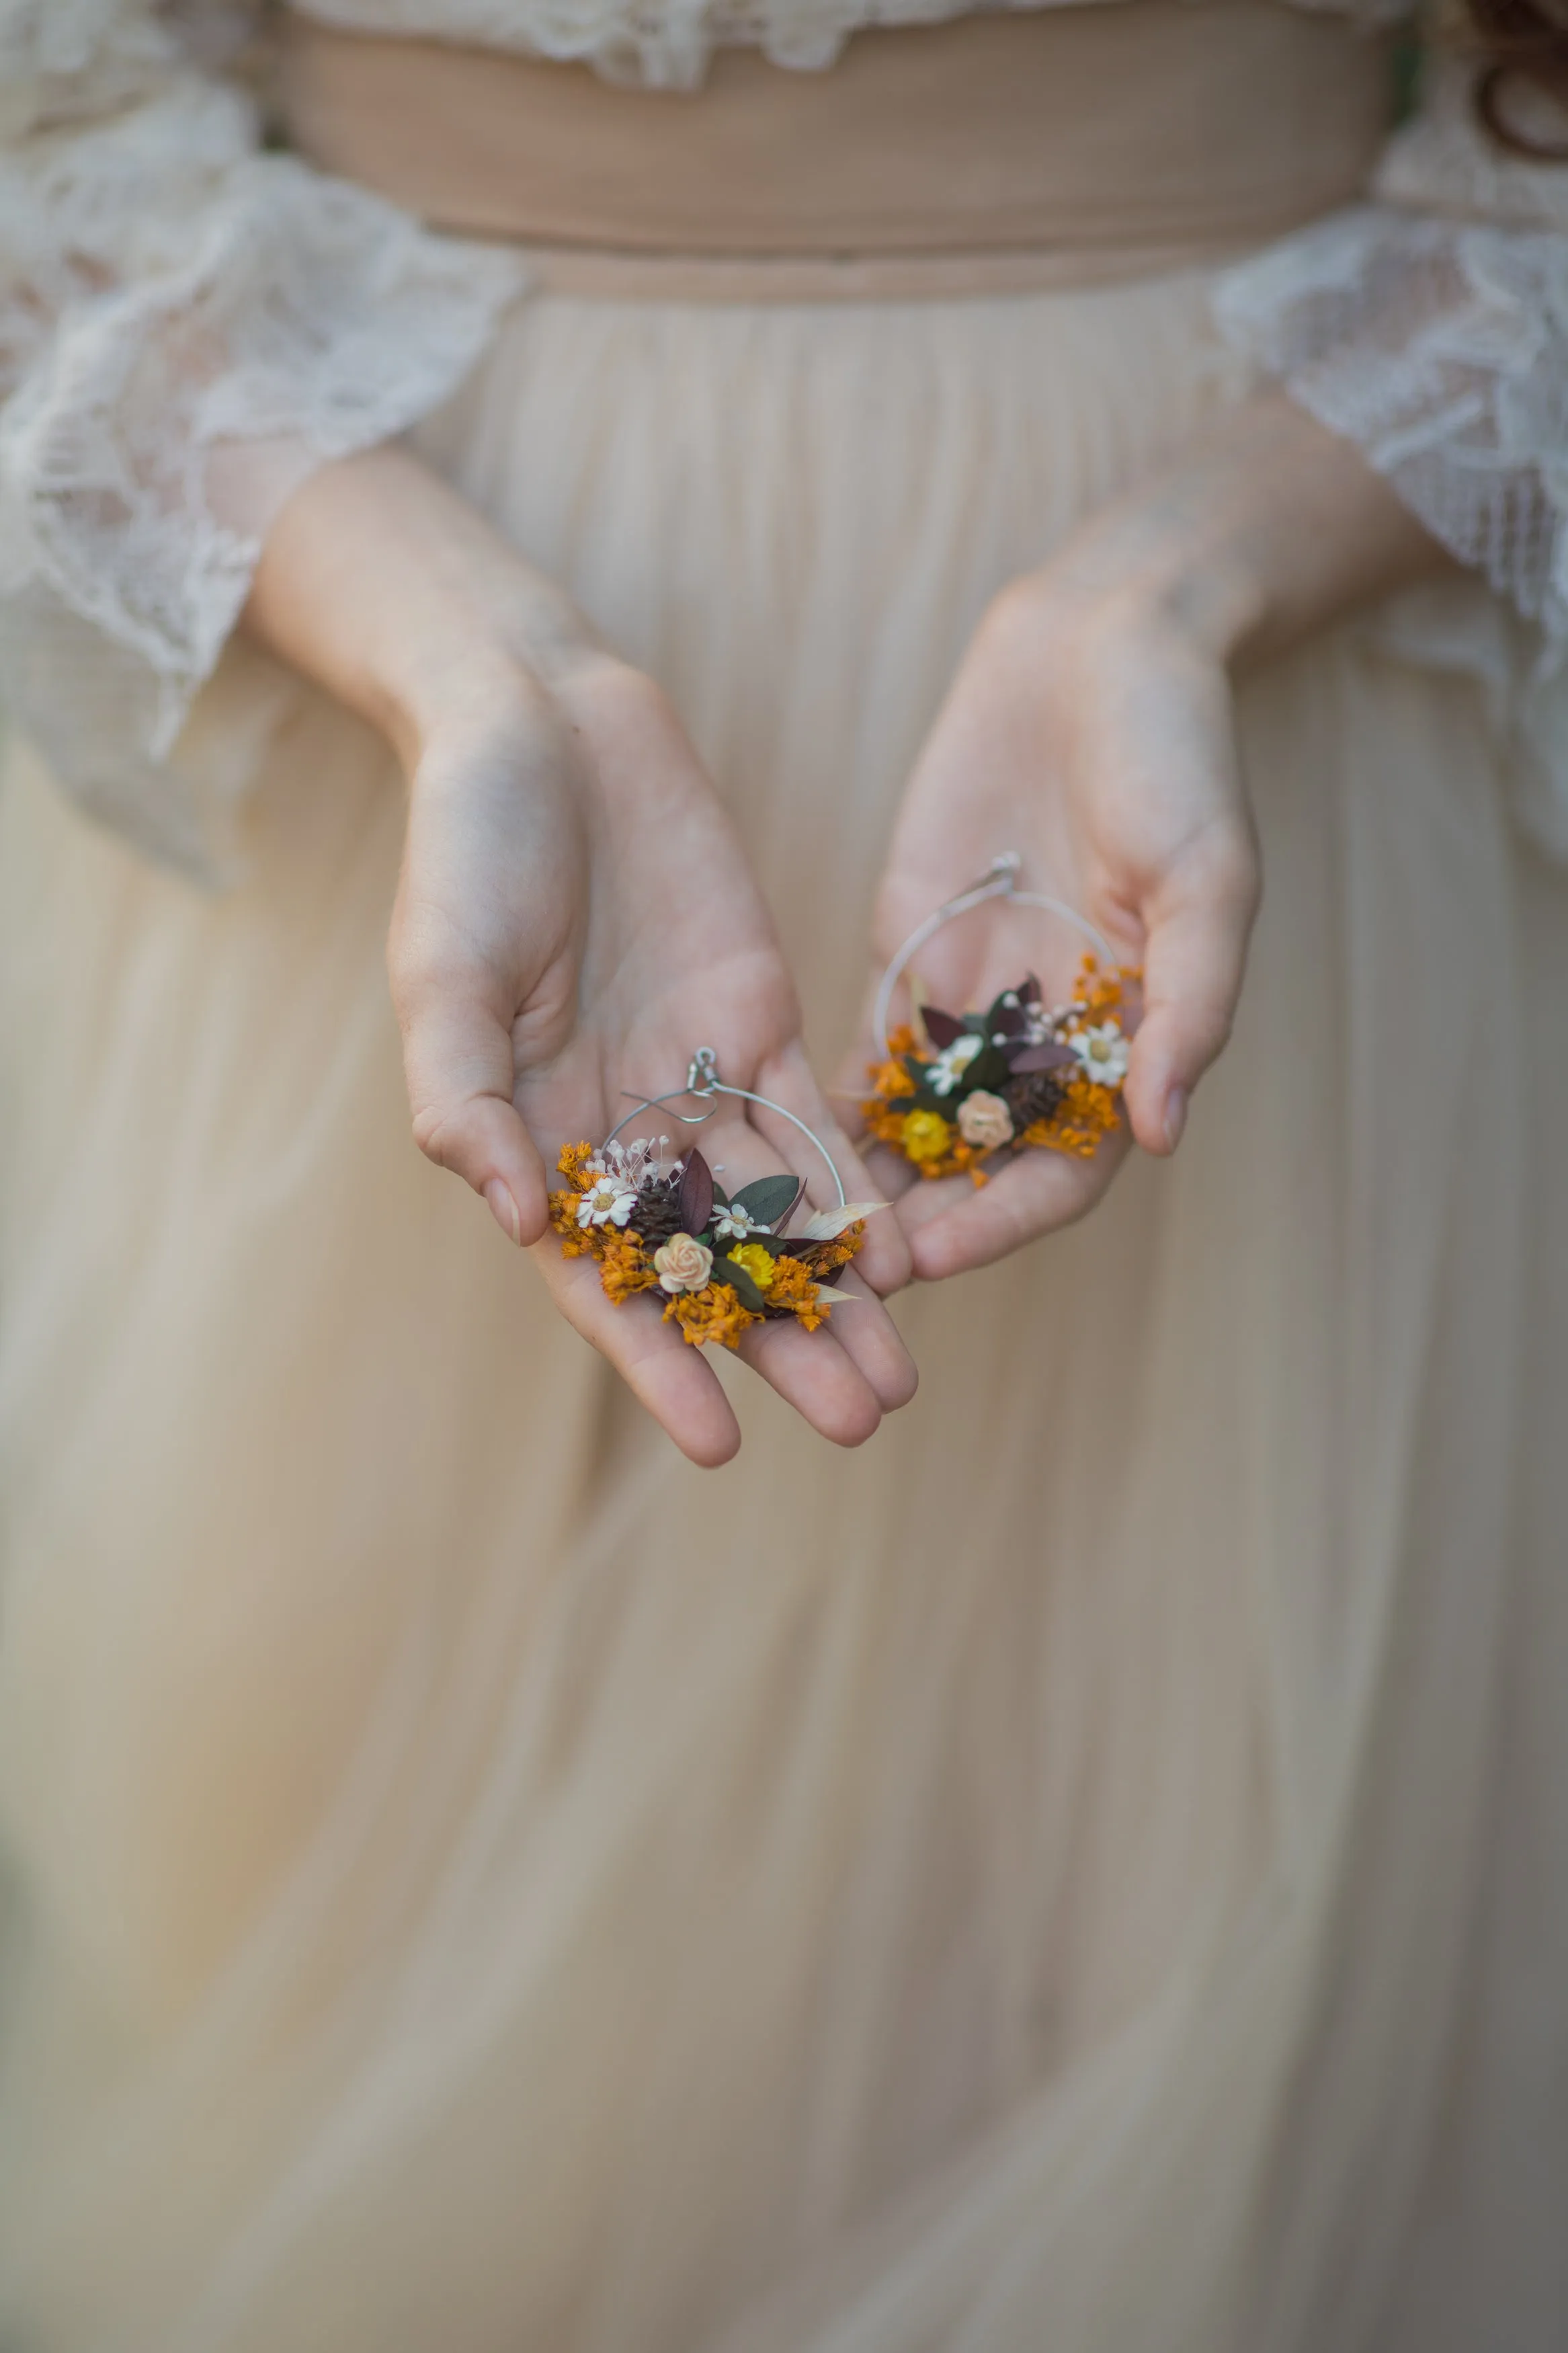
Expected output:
(1095, 738)
(574, 918)
(1089, 727)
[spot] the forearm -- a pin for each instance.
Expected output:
(381, 584)
(1251, 538)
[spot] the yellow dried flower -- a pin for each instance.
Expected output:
(925, 1135)
(758, 1262)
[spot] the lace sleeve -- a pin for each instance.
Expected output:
(187, 326)
(1430, 327)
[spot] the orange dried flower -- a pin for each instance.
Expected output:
(890, 1080)
(794, 1287)
(714, 1314)
(570, 1163)
(827, 1257)
(1086, 1115)
(574, 1240)
(624, 1268)
(1102, 995)
(881, 1120)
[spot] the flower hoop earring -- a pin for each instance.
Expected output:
(721, 1263)
(953, 1089)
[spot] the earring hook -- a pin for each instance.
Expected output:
(702, 1082)
(1000, 880)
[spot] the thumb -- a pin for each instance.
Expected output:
(459, 1062)
(1198, 926)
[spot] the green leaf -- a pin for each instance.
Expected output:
(989, 1070)
(746, 1292)
(769, 1198)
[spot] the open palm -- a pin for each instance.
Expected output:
(575, 919)
(1100, 747)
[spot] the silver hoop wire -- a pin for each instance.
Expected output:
(703, 1082)
(1000, 882)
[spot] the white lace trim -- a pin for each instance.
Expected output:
(1440, 347)
(168, 294)
(667, 44)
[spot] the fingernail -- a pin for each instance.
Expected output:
(1175, 1116)
(504, 1210)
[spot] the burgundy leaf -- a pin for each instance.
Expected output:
(696, 1193)
(1042, 1058)
(1007, 1020)
(942, 1029)
(1030, 992)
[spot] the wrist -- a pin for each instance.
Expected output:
(382, 585)
(1250, 539)
(1162, 566)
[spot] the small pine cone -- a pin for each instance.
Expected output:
(657, 1214)
(1033, 1094)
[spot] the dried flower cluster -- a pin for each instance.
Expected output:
(719, 1264)
(970, 1085)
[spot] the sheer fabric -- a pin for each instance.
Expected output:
(1438, 341)
(1082, 1874)
(187, 325)
(168, 292)
(471, 1880)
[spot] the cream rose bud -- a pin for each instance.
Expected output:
(682, 1264)
(984, 1121)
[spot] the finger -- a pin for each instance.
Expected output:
(883, 1258)
(812, 1372)
(952, 1231)
(889, 1173)
(1198, 928)
(672, 1379)
(872, 1341)
(460, 1070)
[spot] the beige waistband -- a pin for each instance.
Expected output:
(1069, 145)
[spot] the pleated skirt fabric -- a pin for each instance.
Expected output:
(1083, 1874)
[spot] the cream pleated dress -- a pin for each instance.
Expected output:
(1084, 1874)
